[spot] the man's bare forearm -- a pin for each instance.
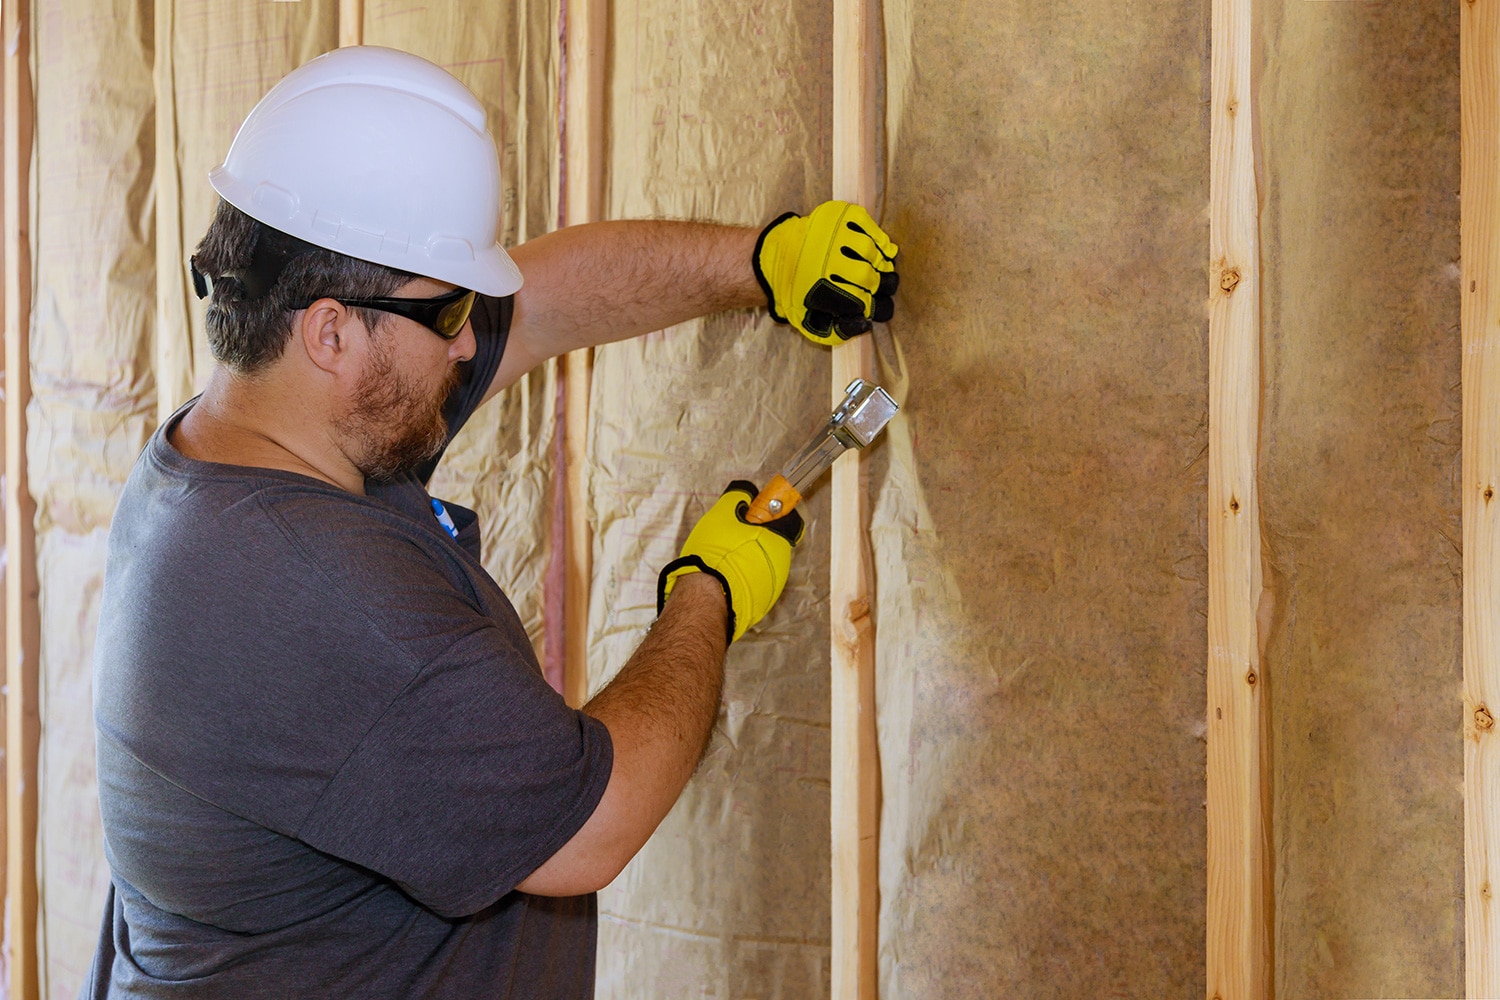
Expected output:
(659, 711)
(594, 284)
(663, 703)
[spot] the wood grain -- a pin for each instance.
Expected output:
(351, 22)
(174, 337)
(1479, 70)
(1239, 906)
(585, 66)
(855, 760)
(22, 627)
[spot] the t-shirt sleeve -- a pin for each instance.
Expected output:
(491, 321)
(475, 775)
(470, 771)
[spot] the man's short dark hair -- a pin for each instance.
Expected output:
(248, 334)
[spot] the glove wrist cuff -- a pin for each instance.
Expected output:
(760, 275)
(684, 562)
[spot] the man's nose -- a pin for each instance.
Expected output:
(463, 346)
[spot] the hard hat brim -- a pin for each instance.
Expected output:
(489, 271)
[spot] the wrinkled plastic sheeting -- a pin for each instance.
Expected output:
(92, 408)
(718, 112)
(501, 465)
(1360, 494)
(217, 59)
(1038, 519)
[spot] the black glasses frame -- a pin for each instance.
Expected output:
(445, 315)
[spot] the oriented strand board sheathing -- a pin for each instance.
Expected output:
(501, 464)
(1360, 494)
(216, 58)
(92, 408)
(1038, 520)
(719, 111)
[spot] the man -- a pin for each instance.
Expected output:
(328, 763)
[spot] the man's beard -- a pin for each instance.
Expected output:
(393, 423)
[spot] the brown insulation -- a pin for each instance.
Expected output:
(91, 410)
(719, 112)
(1038, 508)
(1038, 523)
(94, 377)
(216, 60)
(1360, 495)
(501, 465)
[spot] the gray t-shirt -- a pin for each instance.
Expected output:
(326, 751)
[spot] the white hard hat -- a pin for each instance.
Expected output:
(380, 155)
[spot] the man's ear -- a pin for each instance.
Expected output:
(329, 333)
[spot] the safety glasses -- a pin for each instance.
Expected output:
(445, 315)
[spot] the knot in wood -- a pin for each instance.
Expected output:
(1229, 278)
(1489, 493)
(1250, 678)
(1234, 505)
(1483, 719)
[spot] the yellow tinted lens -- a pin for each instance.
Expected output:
(453, 317)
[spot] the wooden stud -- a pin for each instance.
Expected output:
(174, 336)
(1239, 885)
(1479, 72)
(351, 22)
(585, 66)
(22, 623)
(855, 760)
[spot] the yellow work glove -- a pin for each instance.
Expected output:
(750, 561)
(830, 274)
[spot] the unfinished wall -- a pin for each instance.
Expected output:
(1038, 525)
(501, 465)
(718, 111)
(1360, 494)
(214, 61)
(104, 332)
(91, 410)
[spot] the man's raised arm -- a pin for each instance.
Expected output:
(829, 274)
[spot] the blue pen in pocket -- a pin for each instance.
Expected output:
(444, 518)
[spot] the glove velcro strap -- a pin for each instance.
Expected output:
(694, 563)
(760, 276)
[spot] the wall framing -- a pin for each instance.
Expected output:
(1240, 863)
(1480, 224)
(22, 622)
(855, 764)
(1239, 948)
(586, 37)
